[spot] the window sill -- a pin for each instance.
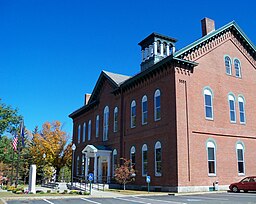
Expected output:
(210, 119)
(158, 174)
(241, 174)
(211, 175)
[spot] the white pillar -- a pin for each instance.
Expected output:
(155, 48)
(150, 50)
(109, 165)
(95, 168)
(167, 50)
(86, 166)
(32, 179)
(162, 49)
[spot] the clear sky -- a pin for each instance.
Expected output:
(53, 51)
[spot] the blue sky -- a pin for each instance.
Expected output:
(52, 51)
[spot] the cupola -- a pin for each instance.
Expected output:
(154, 48)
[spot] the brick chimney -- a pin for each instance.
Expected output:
(208, 25)
(86, 98)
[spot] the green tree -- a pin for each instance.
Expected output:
(9, 118)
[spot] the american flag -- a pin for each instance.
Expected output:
(15, 142)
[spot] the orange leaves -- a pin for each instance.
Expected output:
(51, 141)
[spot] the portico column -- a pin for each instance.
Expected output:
(86, 165)
(109, 165)
(95, 168)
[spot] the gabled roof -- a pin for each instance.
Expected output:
(232, 24)
(116, 78)
(115, 81)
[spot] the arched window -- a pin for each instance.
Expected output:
(105, 123)
(158, 47)
(211, 155)
(240, 158)
(158, 159)
(114, 161)
(208, 103)
(133, 114)
(79, 134)
(89, 129)
(144, 160)
(241, 109)
(77, 165)
(165, 48)
(84, 131)
(228, 65)
(144, 104)
(132, 156)
(157, 105)
(237, 66)
(97, 125)
(232, 110)
(83, 165)
(115, 119)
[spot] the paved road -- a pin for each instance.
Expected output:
(226, 198)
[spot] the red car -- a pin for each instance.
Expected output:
(246, 184)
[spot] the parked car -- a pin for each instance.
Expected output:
(246, 184)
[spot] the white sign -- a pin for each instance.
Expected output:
(90, 177)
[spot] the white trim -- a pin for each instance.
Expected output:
(133, 105)
(157, 94)
(158, 146)
(144, 100)
(144, 149)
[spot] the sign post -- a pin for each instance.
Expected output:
(148, 181)
(90, 178)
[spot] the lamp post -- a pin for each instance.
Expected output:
(44, 156)
(73, 149)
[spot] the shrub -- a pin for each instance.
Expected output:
(48, 191)
(42, 192)
(74, 192)
(4, 187)
(58, 191)
(86, 193)
(11, 188)
(19, 192)
(65, 191)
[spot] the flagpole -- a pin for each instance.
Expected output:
(18, 160)
(12, 165)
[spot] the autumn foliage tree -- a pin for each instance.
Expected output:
(125, 173)
(52, 142)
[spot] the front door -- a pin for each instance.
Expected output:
(104, 172)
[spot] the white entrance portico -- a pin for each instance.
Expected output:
(102, 162)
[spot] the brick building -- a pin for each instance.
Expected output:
(187, 119)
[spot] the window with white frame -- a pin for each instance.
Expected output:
(97, 124)
(232, 110)
(158, 159)
(211, 154)
(241, 109)
(240, 158)
(84, 131)
(77, 165)
(208, 106)
(105, 123)
(89, 129)
(144, 104)
(237, 66)
(228, 65)
(133, 114)
(78, 134)
(157, 105)
(132, 156)
(115, 119)
(114, 161)
(144, 160)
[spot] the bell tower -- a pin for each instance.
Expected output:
(154, 48)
